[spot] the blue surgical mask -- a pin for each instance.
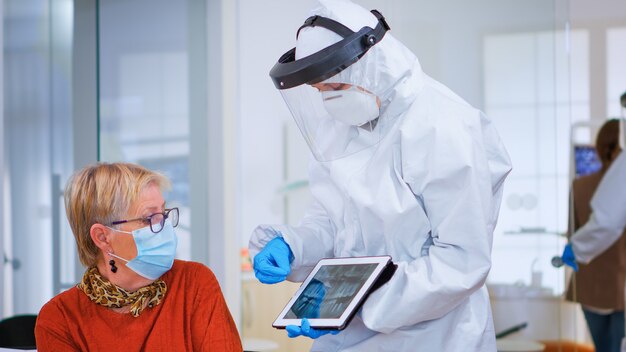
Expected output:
(155, 251)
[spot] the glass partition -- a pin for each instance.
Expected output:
(158, 108)
(39, 252)
(149, 52)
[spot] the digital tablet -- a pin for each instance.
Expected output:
(334, 291)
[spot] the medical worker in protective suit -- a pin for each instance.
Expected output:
(607, 221)
(403, 167)
(608, 205)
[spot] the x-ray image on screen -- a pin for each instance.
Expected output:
(586, 160)
(330, 291)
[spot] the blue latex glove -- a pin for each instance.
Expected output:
(272, 264)
(305, 329)
(568, 257)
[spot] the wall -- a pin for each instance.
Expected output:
(2, 271)
(605, 21)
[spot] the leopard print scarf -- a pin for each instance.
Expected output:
(104, 293)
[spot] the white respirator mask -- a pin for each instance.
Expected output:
(352, 106)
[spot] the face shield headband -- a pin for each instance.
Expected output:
(289, 72)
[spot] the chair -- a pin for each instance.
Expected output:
(18, 332)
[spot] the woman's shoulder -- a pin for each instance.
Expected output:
(60, 304)
(192, 272)
(185, 266)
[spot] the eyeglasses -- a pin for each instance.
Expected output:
(156, 220)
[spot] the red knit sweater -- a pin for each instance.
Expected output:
(192, 316)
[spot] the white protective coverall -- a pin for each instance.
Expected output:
(608, 218)
(428, 194)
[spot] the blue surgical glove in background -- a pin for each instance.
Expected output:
(272, 264)
(305, 329)
(568, 257)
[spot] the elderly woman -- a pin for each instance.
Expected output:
(134, 296)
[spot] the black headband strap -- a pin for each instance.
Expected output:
(382, 27)
(340, 29)
(289, 72)
(327, 23)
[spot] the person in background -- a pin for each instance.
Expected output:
(134, 296)
(403, 167)
(599, 285)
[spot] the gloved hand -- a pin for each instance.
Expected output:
(568, 257)
(272, 264)
(305, 329)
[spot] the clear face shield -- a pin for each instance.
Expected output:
(336, 118)
(335, 123)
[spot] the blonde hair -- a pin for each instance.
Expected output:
(102, 193)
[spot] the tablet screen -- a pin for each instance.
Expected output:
(330, 291)
(334, 291)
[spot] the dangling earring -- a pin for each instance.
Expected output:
(113, 267)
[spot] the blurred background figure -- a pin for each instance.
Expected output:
(599, 285)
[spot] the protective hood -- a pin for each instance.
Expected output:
(382, 71)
